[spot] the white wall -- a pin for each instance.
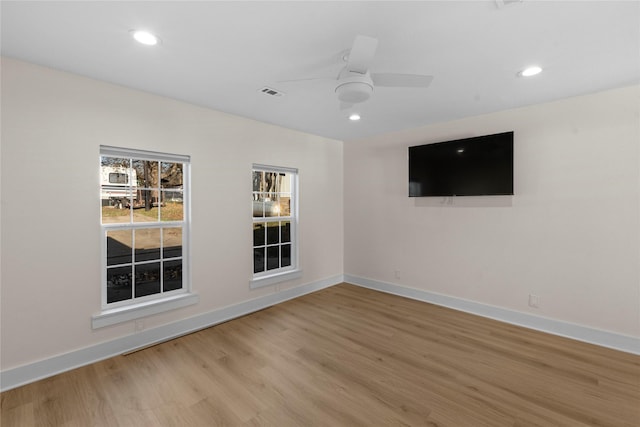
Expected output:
(570, 234)
(52, 126)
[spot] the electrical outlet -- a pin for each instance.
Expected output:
(534, 301)
(397, 274)
(139, 325)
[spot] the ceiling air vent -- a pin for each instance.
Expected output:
(271, 92)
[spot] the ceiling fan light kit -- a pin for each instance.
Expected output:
(354, 92)
(353, 86)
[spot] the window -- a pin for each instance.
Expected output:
(118, 178)
(274, 225)
(144, 201)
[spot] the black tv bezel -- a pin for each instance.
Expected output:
(500, 136)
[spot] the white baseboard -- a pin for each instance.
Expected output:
(25, 374)
(31, 372)
(607, 339)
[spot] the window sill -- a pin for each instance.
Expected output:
(259, 282)
(132, 312)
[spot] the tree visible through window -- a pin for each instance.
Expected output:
(274, 220)
(144, 211)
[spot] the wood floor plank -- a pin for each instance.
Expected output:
(345, 356)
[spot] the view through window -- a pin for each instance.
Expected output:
(274, 220)
(144, 210)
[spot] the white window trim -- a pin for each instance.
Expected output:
(273, 279)
(268, 278)
(118, 313)
(136, 311)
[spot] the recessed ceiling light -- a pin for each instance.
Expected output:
(145, 37)
(530, 71)
(354, 117)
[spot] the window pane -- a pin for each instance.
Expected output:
(171, 175)
(171, 208)
(114, 173)
(273, 233)
(285, 231)
(114, 162)
(257, 180)
(258, 260)
(267, 181)
(172, 242)
(285, 255)
(147, 279)
(115, 191)
(271, 206)
(146, 196)
(145, 173)
(258, 208)
(172, 275)
(116, 207)
(270, 182)
(119, 247)
(258, 234)
(285, 205)
(273, 257)
(263, 205)
(118, 284)
(173, 196)
(147, 246)
(146, 206)
(284, 183)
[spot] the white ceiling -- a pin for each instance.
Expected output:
(220, 54)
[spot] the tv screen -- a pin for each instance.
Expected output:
(478, 166)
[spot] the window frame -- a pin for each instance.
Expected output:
(281, 274)
(136, 307)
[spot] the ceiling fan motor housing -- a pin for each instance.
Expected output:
(354, 88)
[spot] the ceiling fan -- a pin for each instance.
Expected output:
(355, 83)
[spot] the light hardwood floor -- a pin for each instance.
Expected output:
(345, 356)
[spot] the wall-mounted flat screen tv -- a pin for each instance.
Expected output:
(478, 166)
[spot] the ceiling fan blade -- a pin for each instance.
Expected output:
(401, 80)
(305, 80)
(361, 54)
(337, 61)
